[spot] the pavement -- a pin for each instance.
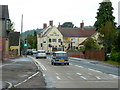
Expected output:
(21, 72)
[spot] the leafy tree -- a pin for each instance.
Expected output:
(117, 42)
(32, 40)
(67, 25)
(104, 15)
(35, 40)
(12, 29)
(91, 44)
(107, 36)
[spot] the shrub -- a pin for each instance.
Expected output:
(115, 56)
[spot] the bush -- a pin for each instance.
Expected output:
(115, 56)
(81, 49)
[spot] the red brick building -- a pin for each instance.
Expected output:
(4, 30)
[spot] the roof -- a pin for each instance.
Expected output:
(76, 32)
(4, 13)
(14, 38)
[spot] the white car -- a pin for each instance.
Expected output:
(34, 51)
(41, 54)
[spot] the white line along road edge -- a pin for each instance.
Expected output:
(42, 66)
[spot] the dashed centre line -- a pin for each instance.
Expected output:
(98, 77)
(79, 73)
(79, 66)
(83, 77)
(58, 77)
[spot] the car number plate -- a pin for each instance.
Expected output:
(61, 59)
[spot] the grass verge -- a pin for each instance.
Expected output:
(112, 62)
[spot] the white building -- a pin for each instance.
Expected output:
(49, 39)
(53, 38)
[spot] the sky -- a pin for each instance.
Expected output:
(37, 12)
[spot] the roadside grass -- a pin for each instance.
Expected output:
(112, 62)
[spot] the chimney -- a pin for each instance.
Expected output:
(51, 23)
(44, 25)
(82, 25)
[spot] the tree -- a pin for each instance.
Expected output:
(104, 15)
(32, 40)
(67, 25)
(91, 44)
(35, 40)
(117, 42)
(107, 36)
(12, 29)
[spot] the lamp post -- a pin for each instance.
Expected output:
(21, 35)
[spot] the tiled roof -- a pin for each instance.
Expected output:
(76, 32)
(4, 13)
(14, 38)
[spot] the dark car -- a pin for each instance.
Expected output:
(29, 52)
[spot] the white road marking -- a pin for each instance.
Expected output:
(58, 77)
(26, 79)
(79, 73)
(98, 77)
(114, 76)
(43, 75)
(57, 74)
(79, 66)
(94, 70)
(42, 66)
(83, 77)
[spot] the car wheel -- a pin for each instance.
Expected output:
(67, 63)
(54, 63)
(36, 57)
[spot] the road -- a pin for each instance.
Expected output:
(75, 76)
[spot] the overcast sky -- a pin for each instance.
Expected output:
(37, 12)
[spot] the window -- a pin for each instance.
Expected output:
(41, 44)
(49, 40)
(7, 24)
(54, 40)
(59, 40)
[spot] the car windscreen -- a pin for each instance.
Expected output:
(41, 51)
(61, 54)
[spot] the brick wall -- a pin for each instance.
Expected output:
(0, 48)
(4, 54)
(95, 55)
(76, 54)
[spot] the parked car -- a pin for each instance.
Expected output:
(60, 57)
(29, 52)
(41, 54)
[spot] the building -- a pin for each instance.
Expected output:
(52, 38)
(4, 31)
(14, 44)
(74, 37)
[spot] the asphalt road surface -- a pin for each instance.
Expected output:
(75, 76)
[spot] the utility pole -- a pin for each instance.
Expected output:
(21, 35)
